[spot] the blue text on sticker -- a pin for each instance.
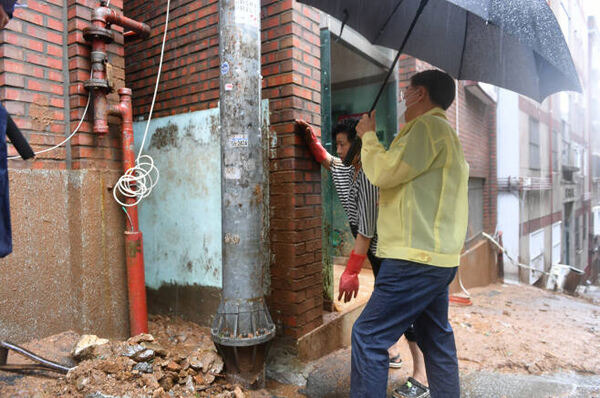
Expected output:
(224, 68)
(238, 141)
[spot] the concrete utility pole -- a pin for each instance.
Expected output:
(242, 325)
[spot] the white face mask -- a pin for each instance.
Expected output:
(402, 110)
(402, 107)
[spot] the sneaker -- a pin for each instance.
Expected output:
(395, 362)
(411, 389)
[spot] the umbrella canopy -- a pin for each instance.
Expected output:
(514, 44)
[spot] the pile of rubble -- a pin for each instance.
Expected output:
(143, 367)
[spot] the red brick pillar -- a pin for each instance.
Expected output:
(88, 150)
(32, 81)
(407, 66)
(291, 80)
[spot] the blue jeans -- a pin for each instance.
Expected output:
(405, 293)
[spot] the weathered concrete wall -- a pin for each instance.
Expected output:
(67, 269)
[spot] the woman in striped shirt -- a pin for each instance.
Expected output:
(359, 199)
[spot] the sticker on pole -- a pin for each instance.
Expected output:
(224, 68)
(247, 12)
(228, 86)
(232, 173)
(238, 141)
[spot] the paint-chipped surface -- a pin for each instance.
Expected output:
(181, 219)
(166, 136)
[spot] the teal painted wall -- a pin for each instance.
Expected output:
(181, 219)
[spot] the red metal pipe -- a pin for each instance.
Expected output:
(104, 15)
(138, 311)
(99, 35)
(98, 74)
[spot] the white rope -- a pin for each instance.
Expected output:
(505, 252)
(137, 182)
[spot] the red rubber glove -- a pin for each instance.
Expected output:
(314, 145)
(349, 279)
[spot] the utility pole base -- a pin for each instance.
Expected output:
(245, 365)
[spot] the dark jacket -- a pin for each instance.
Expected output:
(9, 6)
(5, 230)
(9, 129)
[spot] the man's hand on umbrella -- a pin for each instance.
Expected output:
(366, 124)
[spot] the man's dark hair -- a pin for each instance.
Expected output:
(347, 126)
(439, 85)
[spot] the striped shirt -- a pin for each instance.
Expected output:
(359, 199)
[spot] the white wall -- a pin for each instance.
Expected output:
(508, 166)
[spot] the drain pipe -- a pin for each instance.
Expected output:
(242, 326)
(100, 35)
(134, 249)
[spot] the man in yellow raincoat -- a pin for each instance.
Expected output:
(422, 222)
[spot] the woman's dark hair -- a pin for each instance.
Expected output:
(439, 85)
(347, 126)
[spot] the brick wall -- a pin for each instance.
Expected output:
(407, 66)
(32, 81)
(477, 133)
(190, 74)
(88, 150)
(491, 192)
(43, 63)
(291, 80)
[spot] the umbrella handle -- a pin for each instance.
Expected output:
(410, 29)
(346, 16)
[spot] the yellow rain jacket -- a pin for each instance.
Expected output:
(423, 181)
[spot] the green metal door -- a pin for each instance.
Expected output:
(337, 100)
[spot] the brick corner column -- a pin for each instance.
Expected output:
(89, 150)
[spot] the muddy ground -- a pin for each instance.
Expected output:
(511, 329)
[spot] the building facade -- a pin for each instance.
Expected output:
(547, 181)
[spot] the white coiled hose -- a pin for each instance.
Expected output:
(137, 182)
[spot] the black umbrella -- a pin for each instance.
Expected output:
(514, 44)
